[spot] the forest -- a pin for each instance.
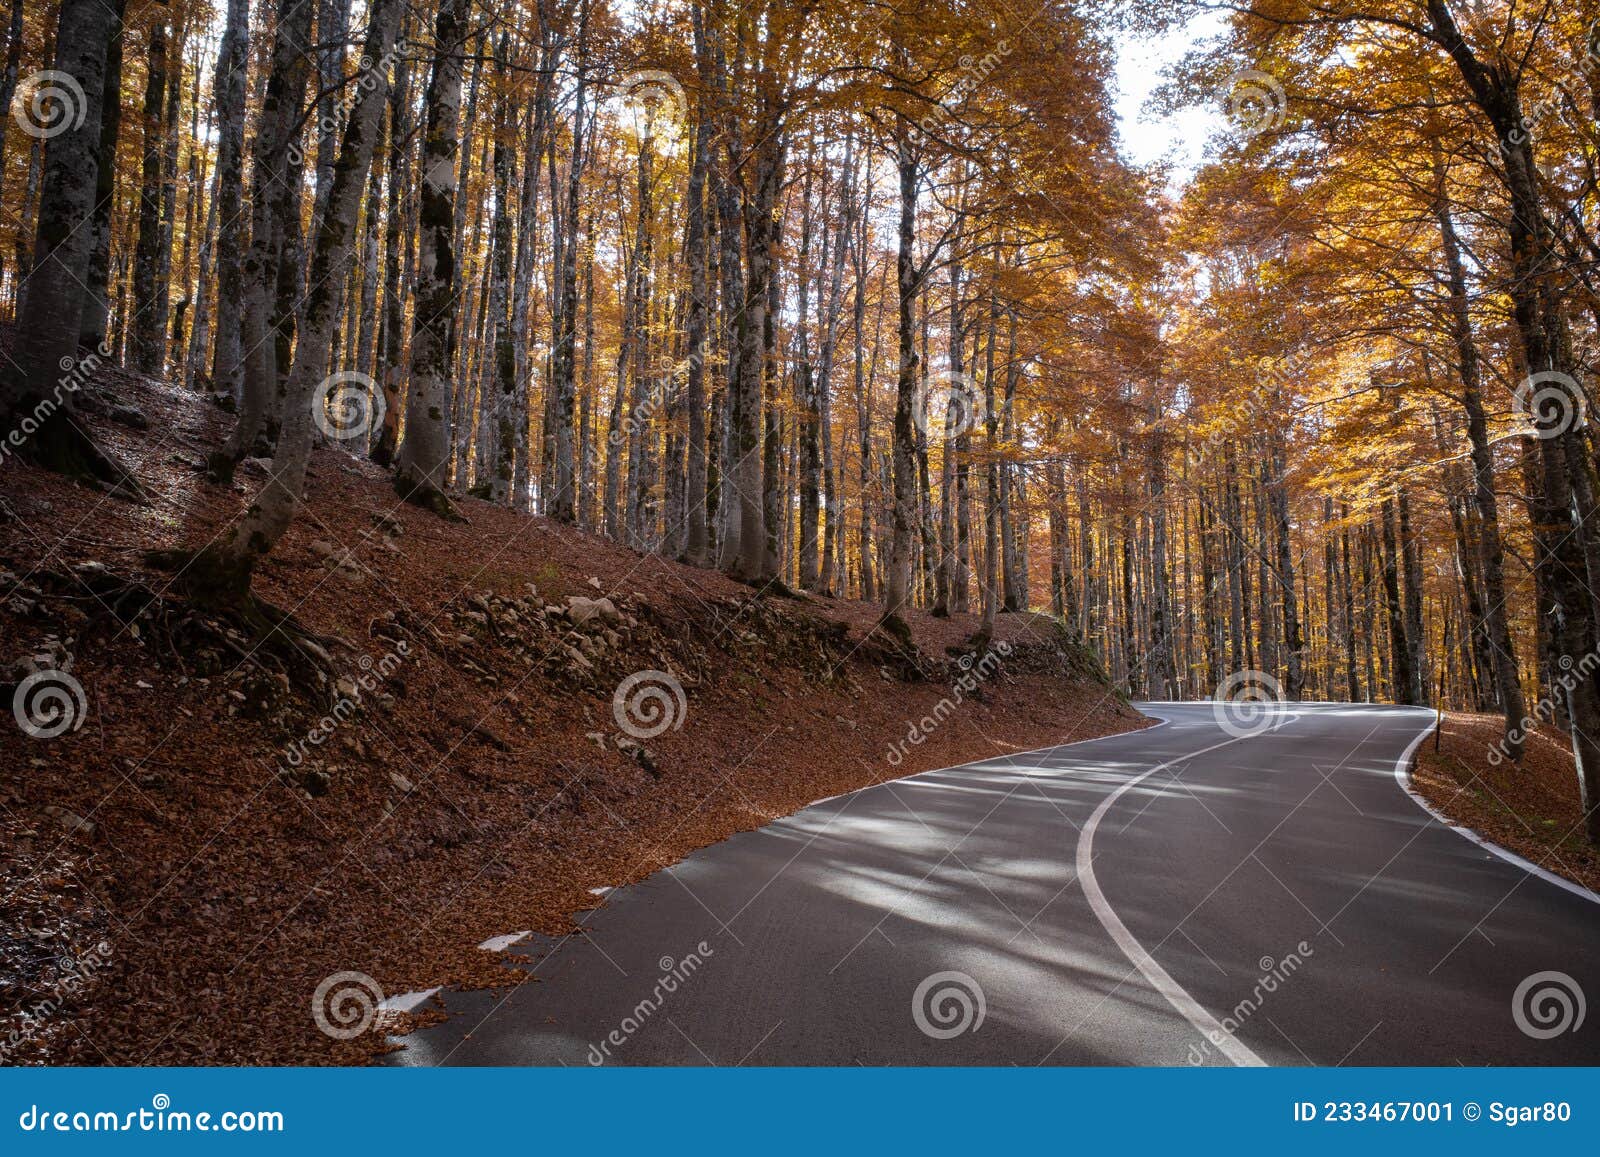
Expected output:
(866, 301)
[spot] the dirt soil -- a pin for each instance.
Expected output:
(215, 834)
(1532, 809)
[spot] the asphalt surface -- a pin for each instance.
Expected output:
(1166, 897)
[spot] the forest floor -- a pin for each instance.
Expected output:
(1532, 809)
(183, 867)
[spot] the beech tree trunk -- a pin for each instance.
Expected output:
(696, 542)
(45, 371)
(273, 204)
(421, 474)
(222, 572)
(897, 593)
(147, 344)
(96, 321)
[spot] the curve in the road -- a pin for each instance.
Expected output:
(1205, 860)
(1402, 776)
(1207, 1025)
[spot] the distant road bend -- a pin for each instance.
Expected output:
(1173, 896)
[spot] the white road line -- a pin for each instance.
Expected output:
(1208, 1026)
(406, 1001)
(1402, 776)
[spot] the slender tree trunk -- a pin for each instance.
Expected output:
(1293, 638)
(898, 585)
(96, 321)
(274, 213)
(1502, 649)
(1404, 681)
(696, 550)
(8, 78)
(148, 331)
(393, 376)
(45, 371)
(499, 467)
(424, 460)
(564, 492)
(1349, 612)
(223, 571)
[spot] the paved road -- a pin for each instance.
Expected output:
(1168, 897)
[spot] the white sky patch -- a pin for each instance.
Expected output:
(1147, 135)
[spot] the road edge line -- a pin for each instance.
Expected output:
(974, 763)
(1209, 1027)
(1402, 776)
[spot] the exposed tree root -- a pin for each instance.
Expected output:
(890, 645)
(214, 628)
(427, 496)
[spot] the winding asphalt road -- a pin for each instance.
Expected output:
(1173, 896)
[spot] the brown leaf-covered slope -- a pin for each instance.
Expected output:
(1532, 809)
(175, 886)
